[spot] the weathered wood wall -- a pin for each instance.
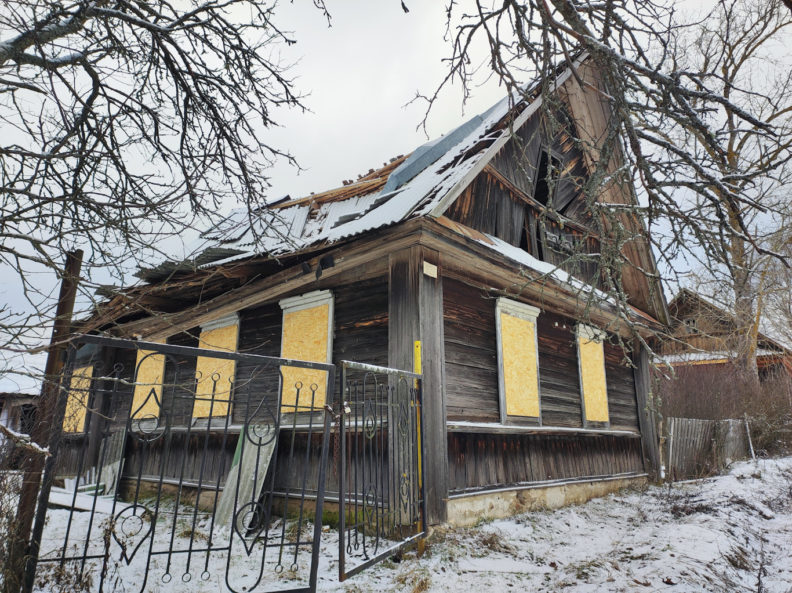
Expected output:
(470, 353)
(500, 202)
(487, 207)
(519, 158)
(479, 462)
(472, 365)
(559, 380)
(361, 334)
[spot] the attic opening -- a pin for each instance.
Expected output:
(547, 174)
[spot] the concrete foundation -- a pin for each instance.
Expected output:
(470, 509)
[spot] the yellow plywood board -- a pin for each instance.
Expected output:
(77, 399)
(305, 337)
(592, 379)
(147, 398)
(215, 376)
(520, 370)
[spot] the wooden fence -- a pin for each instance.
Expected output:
(697, 448)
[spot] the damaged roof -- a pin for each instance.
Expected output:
(423, 182)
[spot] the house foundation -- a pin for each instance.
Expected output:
(465, 510)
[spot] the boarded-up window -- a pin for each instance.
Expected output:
(517, 359)
(591, 358)
(307, 335)
(214, 377)
(77, 399)
(147, 397)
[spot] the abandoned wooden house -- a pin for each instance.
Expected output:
(18, 414)
(702, 348)
(452, 262)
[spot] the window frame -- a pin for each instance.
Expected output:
(592, 334)
(80, 375)
(309, 300)
(227, 321)
(525, 312)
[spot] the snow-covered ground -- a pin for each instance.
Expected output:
(729, 533)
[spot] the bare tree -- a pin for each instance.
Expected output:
(700, 117)
(125, 121)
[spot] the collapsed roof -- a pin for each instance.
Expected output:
(422, 184)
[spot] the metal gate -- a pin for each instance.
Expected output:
(188, 464)
(381, 491)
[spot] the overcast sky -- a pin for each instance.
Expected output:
(359, 74)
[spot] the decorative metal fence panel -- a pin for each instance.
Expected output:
(381, 492)
(187, 464)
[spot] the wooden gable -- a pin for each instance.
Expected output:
(510, 197)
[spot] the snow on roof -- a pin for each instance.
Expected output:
(419, 181)
(551, 271)
(712, 356)
(423, 183)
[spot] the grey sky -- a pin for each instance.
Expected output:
(360, 73)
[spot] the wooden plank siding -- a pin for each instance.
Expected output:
(487, 207)
(361, 334)
(472, 365)
(484, 462)
(500, 202)
(487, 460)
(559, 380)
(416, 313)
(471, 355)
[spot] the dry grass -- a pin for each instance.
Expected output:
(414, 580)
(718, 392)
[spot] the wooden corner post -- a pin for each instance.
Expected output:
(647, 413)
(415, 313)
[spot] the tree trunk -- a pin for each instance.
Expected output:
(744, 340)
(19, 535)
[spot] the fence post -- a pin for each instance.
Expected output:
(647, 414)
(748, 432)
(50, 395)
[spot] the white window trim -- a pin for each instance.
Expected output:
(225, 321)
(528, 313)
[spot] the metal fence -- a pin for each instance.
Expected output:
(381, 489)
(214, 475)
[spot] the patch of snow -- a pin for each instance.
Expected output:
(710, 356)
(720, 534)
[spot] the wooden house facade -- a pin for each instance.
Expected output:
(472, 260)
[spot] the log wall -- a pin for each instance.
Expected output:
(361, 334)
